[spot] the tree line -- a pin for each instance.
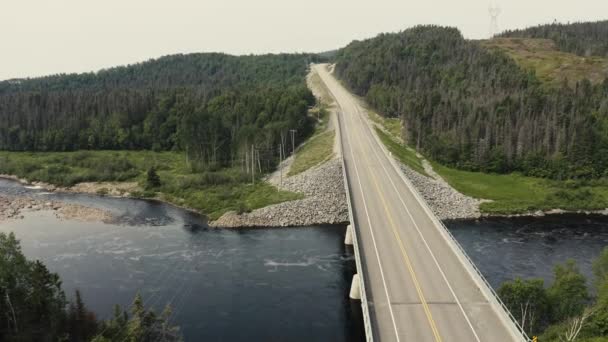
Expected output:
(472, 108)
(566, 310)
(583, 39)
(33, 307)
(212, 106)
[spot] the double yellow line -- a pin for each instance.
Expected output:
(406, 257)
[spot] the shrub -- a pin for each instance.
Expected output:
(102, 192)
(152, 179)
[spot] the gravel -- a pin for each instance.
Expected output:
(445, 201)
(12, 208)
(325, 202)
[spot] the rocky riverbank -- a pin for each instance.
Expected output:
(325, 202)
(449, 204)
(445, 201)
(13, 207)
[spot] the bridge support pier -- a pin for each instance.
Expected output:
(348, 239)
(355, 288)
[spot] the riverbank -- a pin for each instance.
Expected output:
(14, 208)
(457, 194)
(123, 174)
(210, 192)
(324, 202)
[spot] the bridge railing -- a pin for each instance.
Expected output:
(369, 334)
(451, 239)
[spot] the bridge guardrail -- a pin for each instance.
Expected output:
(369, 334)
(450, 236)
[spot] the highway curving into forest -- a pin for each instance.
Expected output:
(419, 285)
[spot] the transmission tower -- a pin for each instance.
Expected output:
(494, 11)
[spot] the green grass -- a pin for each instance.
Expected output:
(404, 154)
(210, 192)
(510, 193)
(391, 125)
(319, 147)
(551, 65)
(319, 85)
(515, 193)
(317, 150)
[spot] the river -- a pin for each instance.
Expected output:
(260, 284)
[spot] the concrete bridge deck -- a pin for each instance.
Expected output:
(419, 286)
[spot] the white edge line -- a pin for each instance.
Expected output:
(420, 232)
(483, 286)
(370, 224)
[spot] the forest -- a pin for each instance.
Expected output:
(35, 308)
(475, 109)
(583, 39)
(214, 107)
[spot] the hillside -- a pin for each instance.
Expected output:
(551, 66)
(475, 108)
(213, 106)
(583, 39)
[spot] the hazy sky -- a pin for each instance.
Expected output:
(39, 37)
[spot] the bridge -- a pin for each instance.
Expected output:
(414, 280)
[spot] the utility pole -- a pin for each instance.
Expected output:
(293, 140)
(281, 165)
(283, 143)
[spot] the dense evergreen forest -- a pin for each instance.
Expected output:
(583, 39)
(473, 108)
(213, 106)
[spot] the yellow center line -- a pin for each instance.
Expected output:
(406, 257)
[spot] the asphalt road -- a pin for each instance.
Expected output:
(417, 286)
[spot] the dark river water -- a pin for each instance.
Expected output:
(271, 284)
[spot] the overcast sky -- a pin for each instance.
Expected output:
(40, 37)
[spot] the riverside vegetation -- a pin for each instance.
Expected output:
(566, 310)
(211, 192)
(215, 123)
(507, 193)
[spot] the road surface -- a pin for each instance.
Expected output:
(417, 287)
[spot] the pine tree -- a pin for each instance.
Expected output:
(152, 180)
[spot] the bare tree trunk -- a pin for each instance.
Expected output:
(575, 325)
(10, 304)
(259, 165)
(246, 161)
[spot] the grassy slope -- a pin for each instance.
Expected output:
(551, 66)
(406, 155)
(514, 193)
(212, 193)
(391, 125)
(511, 193)
(319, 148)
(316, 151)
